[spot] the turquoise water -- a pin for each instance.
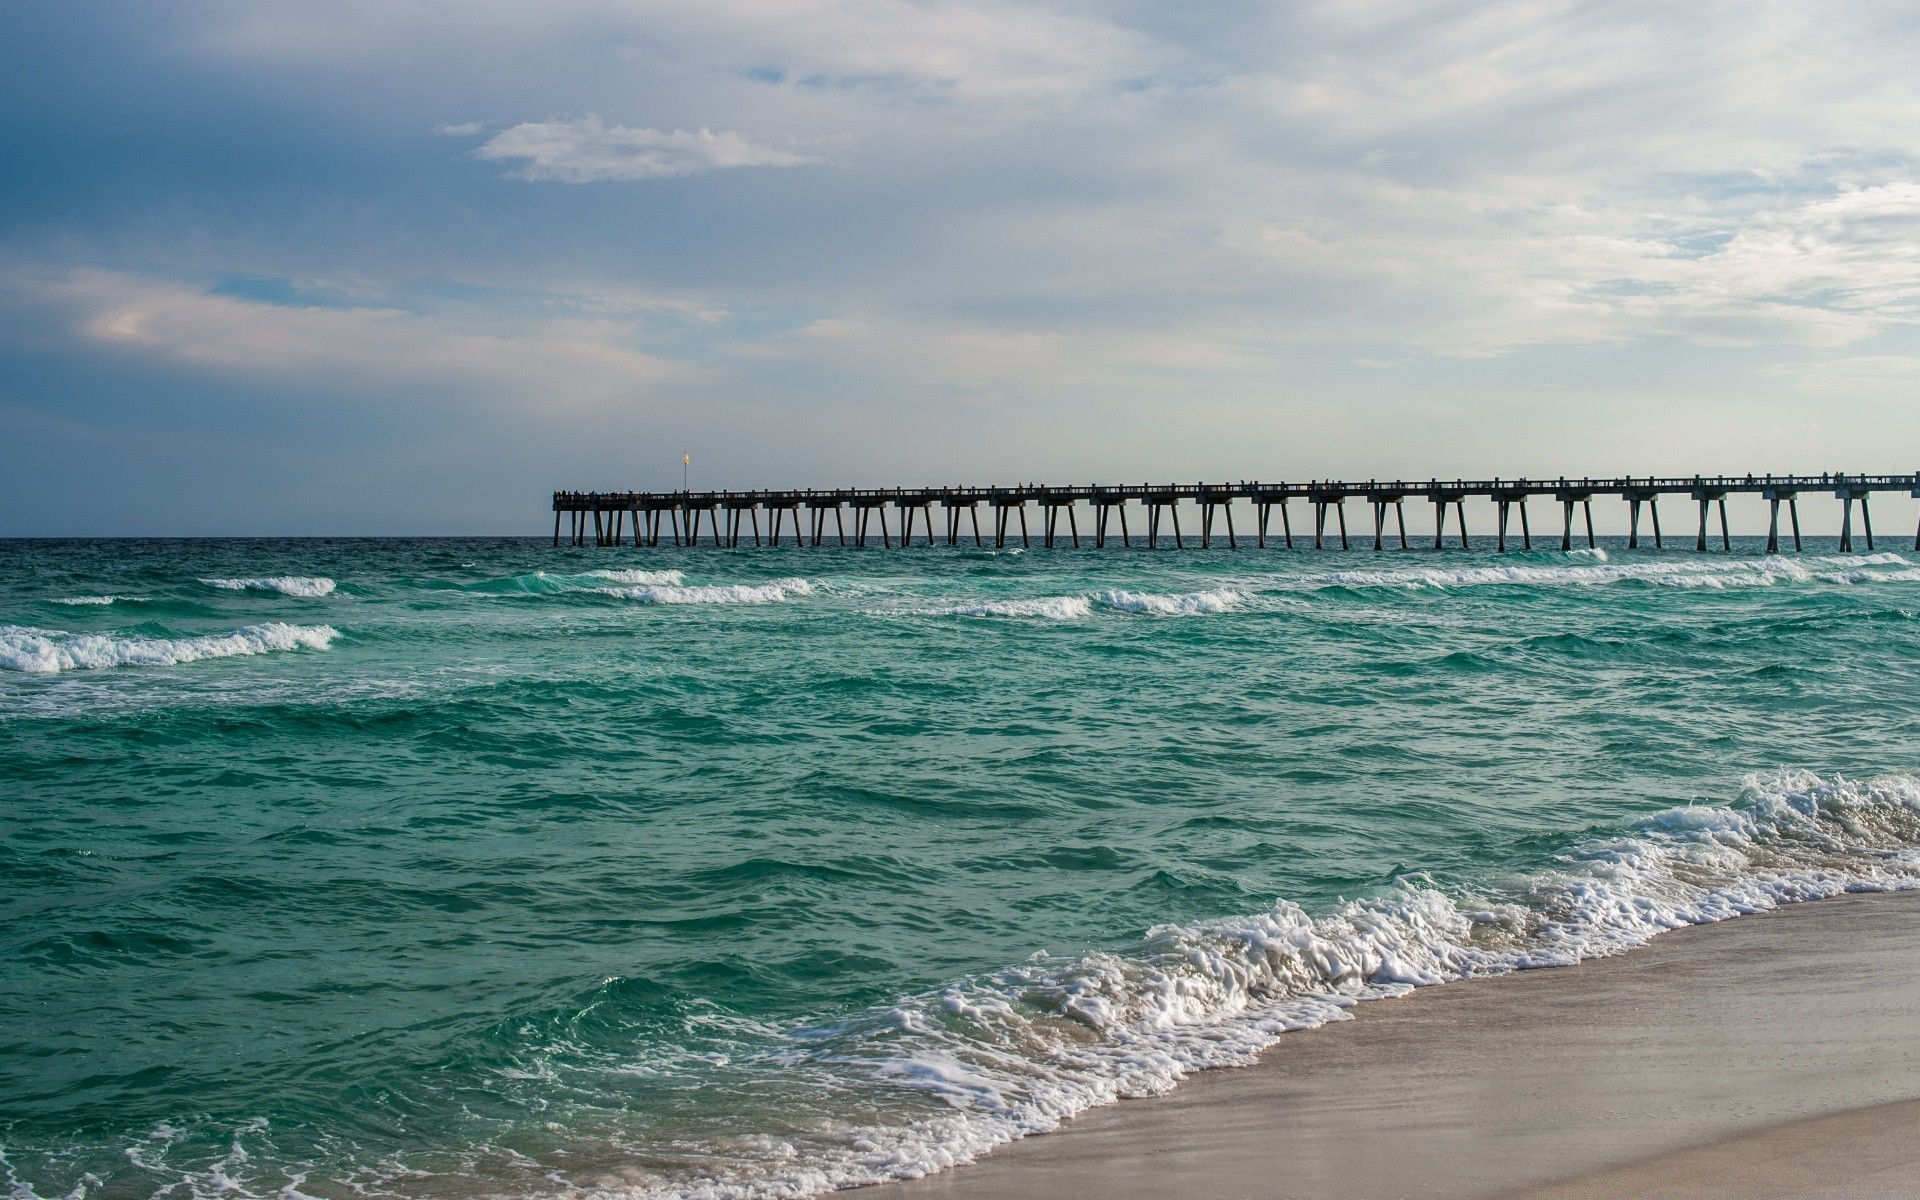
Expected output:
(478, 867)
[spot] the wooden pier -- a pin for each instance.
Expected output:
(732, 518)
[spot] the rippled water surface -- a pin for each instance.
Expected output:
(480, 867)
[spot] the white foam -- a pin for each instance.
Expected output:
(997, 1057)
(96, 599)
(736, 593)
(1218, 600)
(1762, 572)
(1054, 608)
(46, 651)
(641, 578)
(308, 586)
(1883, 558)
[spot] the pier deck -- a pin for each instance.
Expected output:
(732, 517)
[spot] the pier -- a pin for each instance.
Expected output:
(859, 516)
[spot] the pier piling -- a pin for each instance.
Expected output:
(607, 517)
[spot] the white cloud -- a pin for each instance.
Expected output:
(968, 50)
(587, 150)
(1881, 378)
(569, 362)
(1382, 179)
(980, 357)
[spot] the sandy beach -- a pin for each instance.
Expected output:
(1771, 1055)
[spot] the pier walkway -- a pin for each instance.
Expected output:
(730, 518)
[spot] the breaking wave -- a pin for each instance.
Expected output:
(640, 578)
(1070, 608)
(308, 586)
(1761, 572)
(1185, 604)
(48, 651)
(735, 593)
(1055, 608)
(992, 1058)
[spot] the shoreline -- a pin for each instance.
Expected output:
(1684, 1067)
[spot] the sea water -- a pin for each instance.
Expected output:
(483, 868)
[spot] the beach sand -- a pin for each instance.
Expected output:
(1771, 1055)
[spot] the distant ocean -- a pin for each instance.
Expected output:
(467, 868)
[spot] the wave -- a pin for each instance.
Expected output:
(1056, 608)
(1071, 608)
(48, 651)
(996, 1057)
(544, 583)
(76, 600)
(1763, 572)
(306, 586)
(736, 593)
(640, 578)
(1185, 604)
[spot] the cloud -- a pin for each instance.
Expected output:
(587, 150)
(972, 51)
(560, 363)
(973, 356)
(1881, 378)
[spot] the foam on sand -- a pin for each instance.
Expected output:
(1000, 1056)
(48, 651)
(306, 586)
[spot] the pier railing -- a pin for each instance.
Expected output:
(654, 518)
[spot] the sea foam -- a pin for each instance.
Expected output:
(47, 651)
(308, 586)
(640, 578)
(1055, 608)
(1001, 1056)
(1218, 600)
(1694, 573)
(736, 593)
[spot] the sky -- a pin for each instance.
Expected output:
(408, 266)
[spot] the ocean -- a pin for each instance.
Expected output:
(478, 868)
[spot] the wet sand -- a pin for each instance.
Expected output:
(1763, 1056)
